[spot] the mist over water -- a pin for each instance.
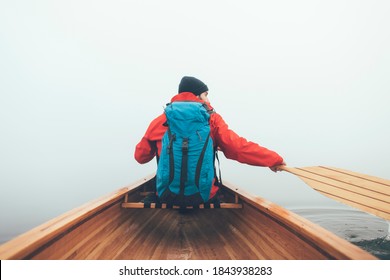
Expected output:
(81, 80)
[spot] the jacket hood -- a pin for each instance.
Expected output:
(189, 96)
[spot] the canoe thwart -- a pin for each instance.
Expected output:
(145, 193)
(103, 230)
(168, 206)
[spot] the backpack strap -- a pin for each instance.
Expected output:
(200, 161)
(172, 137)
(209, 110)
(184, 167)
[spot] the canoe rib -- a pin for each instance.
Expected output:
(103, 229)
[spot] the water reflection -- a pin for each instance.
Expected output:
(364, 230)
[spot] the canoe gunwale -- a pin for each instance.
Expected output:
(38, 239)
(319, 237)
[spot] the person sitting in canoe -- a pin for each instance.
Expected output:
(185, 140)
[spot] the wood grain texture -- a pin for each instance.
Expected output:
(367, 193)
(105, 230)
(140, 205)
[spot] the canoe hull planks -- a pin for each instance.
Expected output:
(103, 229)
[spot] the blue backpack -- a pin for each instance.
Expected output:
(185, 169)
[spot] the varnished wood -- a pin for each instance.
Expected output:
(367, 193)
(25, 245)
(145, 193)
(103, 229)
(140, 205)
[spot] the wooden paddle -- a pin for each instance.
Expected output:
(367, 193)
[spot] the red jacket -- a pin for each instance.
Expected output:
(232, 145)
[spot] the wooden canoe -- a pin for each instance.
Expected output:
(253, 228)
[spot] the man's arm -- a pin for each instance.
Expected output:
(238, 148)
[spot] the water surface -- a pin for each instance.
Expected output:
(364, 230)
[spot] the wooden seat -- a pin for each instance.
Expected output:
(140, 205)
(168, 206)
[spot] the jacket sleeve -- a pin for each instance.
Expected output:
(144, 151)
(238, 148)
(147, 148)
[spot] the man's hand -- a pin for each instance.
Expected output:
(277, 168)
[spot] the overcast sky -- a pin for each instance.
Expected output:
(81, 80)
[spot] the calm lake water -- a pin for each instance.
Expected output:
(364, 230)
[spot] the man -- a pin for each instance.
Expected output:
(232, 145)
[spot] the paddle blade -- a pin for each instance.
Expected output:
(367, 193)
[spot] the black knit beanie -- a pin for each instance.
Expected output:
(191, 84)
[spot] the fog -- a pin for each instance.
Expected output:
(81, 80)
